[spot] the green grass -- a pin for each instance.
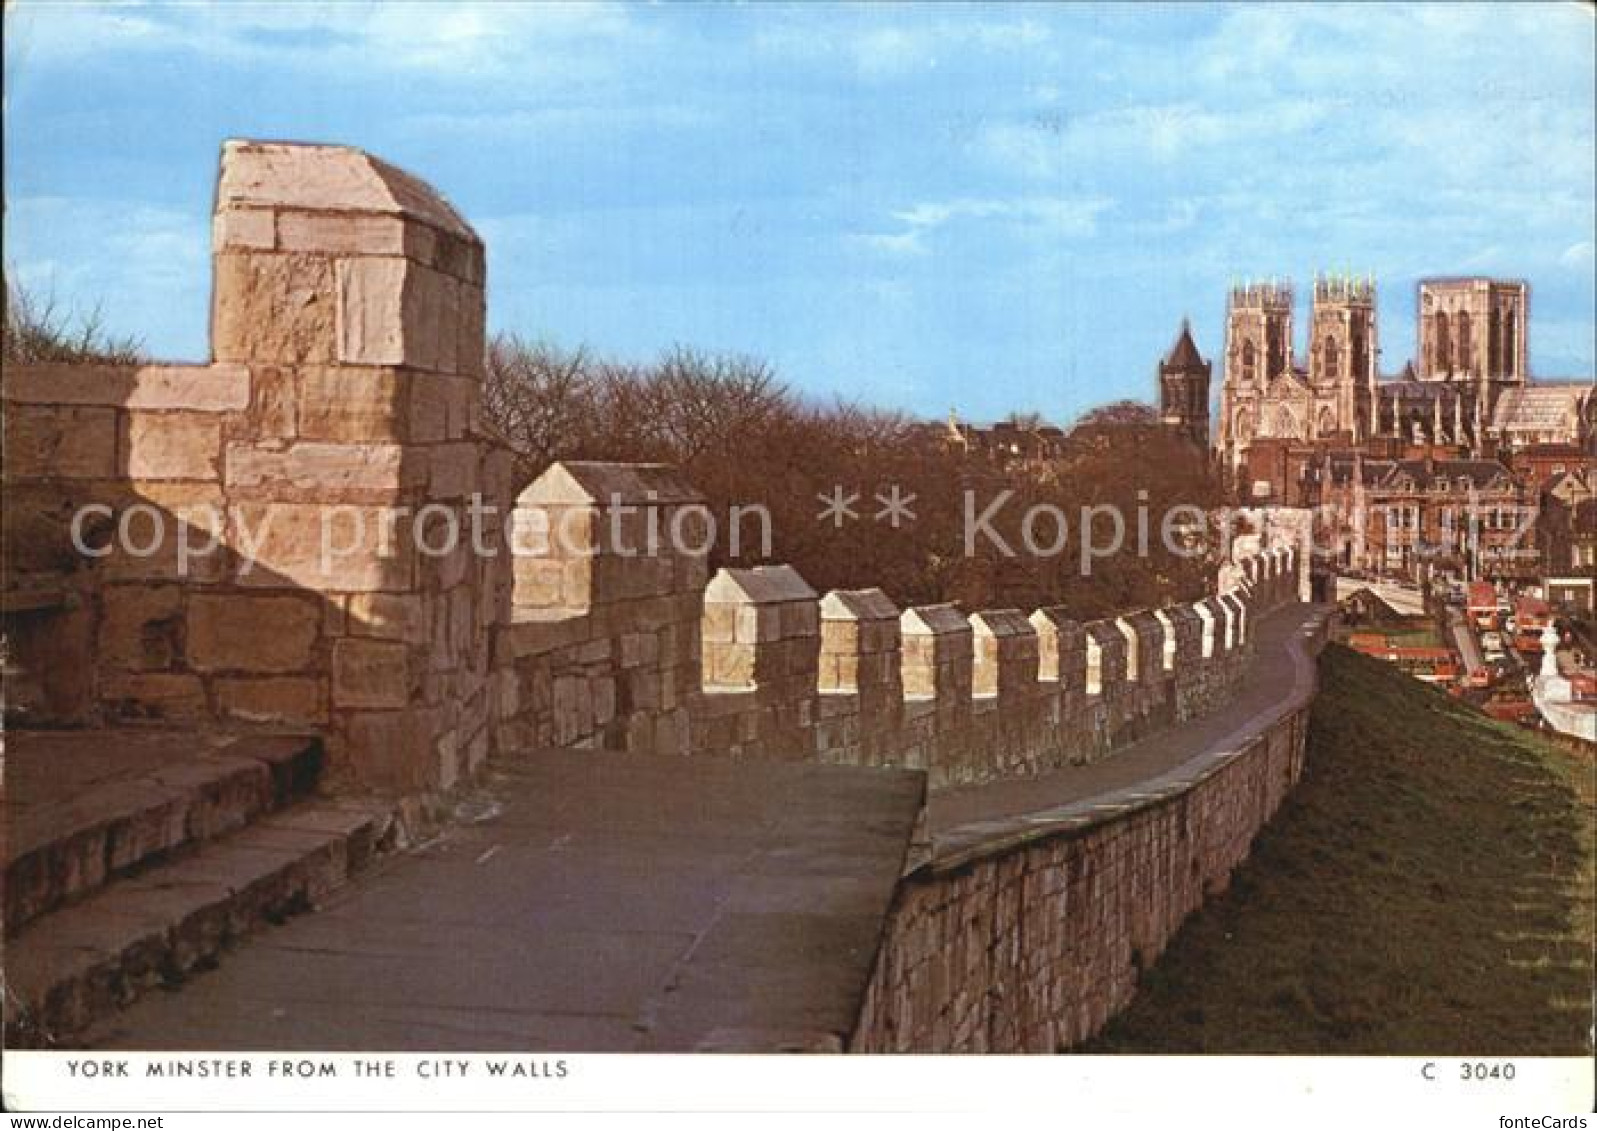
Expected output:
(1426, 889)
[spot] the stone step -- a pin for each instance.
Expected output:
(85, 807)
(81, 963)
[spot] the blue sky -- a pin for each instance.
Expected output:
(992, 207)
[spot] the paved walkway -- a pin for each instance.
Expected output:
(969, 821)
(597, 902)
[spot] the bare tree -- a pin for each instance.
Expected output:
(743, 438)
(539, 397)
(38, 330)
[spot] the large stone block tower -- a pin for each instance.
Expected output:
(1184, 378)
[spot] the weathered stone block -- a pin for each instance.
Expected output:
(140, 627)
(249, 633)
(60, 442)
(454, 471)
(389, 616)
(168, 530)
(389, 749)
(154, 696)
(274, 409)
(195, 388)
(371, 314)
(272, 307)
(370, 674)
(347, 548)
(353, 405)
(340, 235)
(312, 465)
(175, 445)
(245, 229)
(274, 699)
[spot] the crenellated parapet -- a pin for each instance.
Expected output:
(761, 646)
(1005, 654)
(600, 647)
(861, 704)
(1236, 603)
(860, 643)
(761, 629)
(1106, 647)
(937, 656)
(1145, 640)
(1213, 637)
(1061, 650)
(846, 677)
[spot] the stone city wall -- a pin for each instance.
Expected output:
(340, 412)
(618, 641)
(1033, 943)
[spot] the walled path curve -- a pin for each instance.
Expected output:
(1280, 675)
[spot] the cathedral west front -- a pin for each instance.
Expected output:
(1466, 388)
(1462, 436)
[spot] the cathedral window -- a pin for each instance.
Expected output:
(1461, 334)
(1249, 361)
(1332, 356)
(1444, 348)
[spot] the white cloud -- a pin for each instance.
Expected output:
(1052, 218)
(1578, 255)
(582, 120)
(1053, 145)
(907, 243)
(909, 43)
(461, 38)
(1062, 217)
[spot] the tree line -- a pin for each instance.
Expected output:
(742, 437)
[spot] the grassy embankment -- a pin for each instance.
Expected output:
(1427, 888)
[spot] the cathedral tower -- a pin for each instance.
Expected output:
(1342, 356)
(1184, 389)
(1258, 351)
(1473, 330)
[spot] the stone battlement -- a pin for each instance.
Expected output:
(754, 663)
